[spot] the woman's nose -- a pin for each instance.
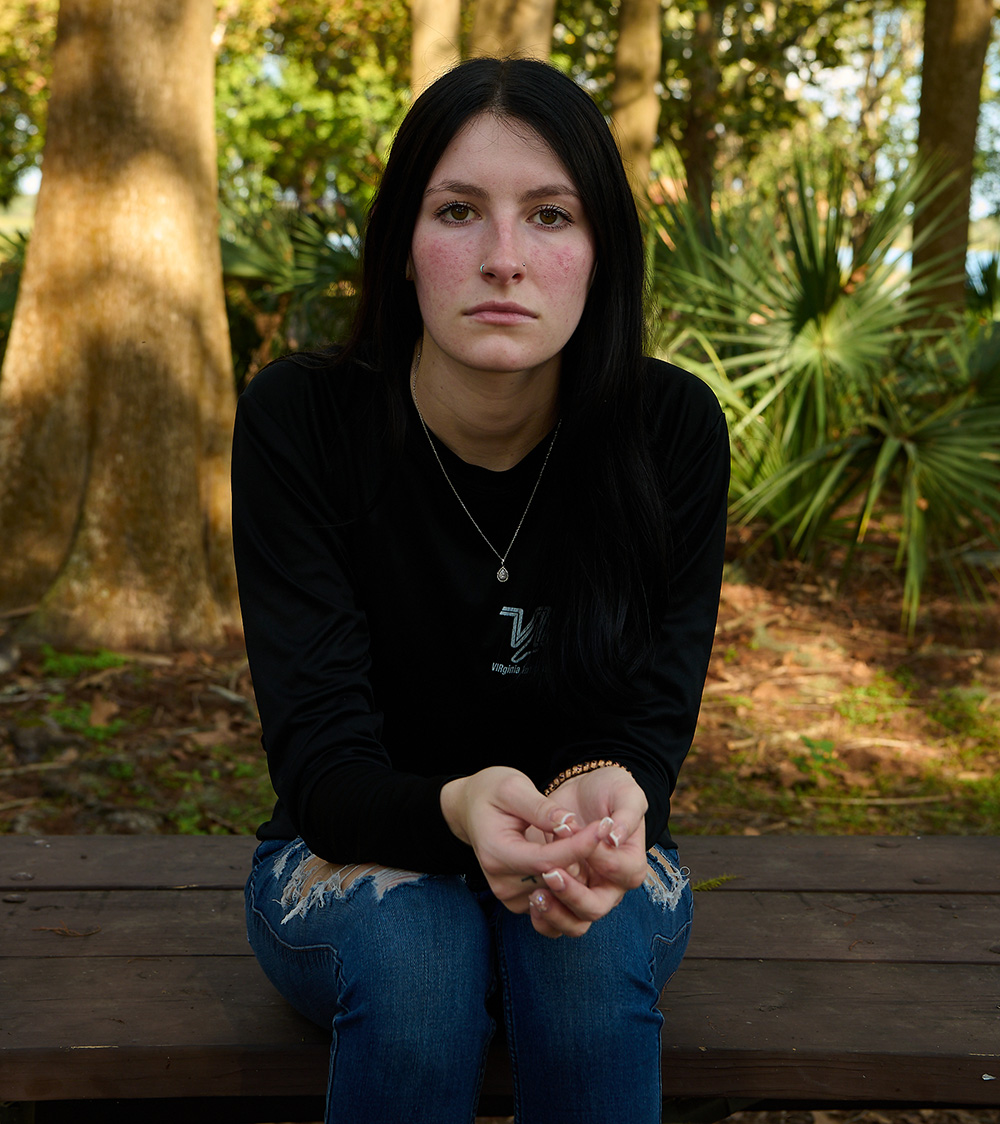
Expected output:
(502, 261)
(502, 269)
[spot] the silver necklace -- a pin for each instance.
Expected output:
(502, 574)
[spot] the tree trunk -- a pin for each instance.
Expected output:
(513, 27)
(116, 399)
(635, 104)
(436, 41)
(956, 37)
(700, 142)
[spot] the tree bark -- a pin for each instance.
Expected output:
(956, 37)
(116, 398)
(513, 27)
(635, 104)
(699, 143)
(436, 45)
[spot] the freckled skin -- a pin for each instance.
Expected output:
(500, 197)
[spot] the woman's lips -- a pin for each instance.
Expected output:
(500, 312)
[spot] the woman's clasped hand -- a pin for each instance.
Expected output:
(567, 859)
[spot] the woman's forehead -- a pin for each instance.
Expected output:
(508, 142)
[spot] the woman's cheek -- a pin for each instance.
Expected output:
(443, 264)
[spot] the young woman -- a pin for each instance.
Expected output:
(479, 550)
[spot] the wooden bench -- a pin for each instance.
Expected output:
(824, 972)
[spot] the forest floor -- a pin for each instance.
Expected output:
(820, 716)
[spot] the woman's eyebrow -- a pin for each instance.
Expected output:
(544, 191)
(457, 187)
(548, 190)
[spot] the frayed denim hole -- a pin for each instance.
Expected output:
(664, 882)
(281, 861)
(314, 882)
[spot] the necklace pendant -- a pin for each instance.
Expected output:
(502, 574)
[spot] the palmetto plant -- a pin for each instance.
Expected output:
(290, 279)
(851, 398)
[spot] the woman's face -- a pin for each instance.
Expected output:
(500, 199)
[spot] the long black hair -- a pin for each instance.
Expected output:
(608, 557)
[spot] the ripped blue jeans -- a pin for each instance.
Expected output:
(401, 966)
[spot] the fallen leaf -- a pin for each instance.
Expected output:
(102, 710)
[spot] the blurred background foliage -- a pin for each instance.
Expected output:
(865, 417)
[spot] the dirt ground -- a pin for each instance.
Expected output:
(819, 716)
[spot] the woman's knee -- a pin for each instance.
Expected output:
(621, 964)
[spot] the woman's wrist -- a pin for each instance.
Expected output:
(580, 770)
(452, 802)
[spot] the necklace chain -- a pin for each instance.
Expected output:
(502, 574)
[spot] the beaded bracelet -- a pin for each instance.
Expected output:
(578, 771)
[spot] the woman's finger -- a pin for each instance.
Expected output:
(586, 903)
(514, 793)
(552, 919)
(516, 857)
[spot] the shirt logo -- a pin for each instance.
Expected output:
(525, 638)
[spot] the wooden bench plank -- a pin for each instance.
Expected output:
(927, 928)
(835, 1080)
(871, 864)
(776, 926)
(911, 1033)
(183, 1026)
(96, 923)
(888, 864)
(137, 862)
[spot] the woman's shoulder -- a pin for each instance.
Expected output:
(681, 402)
(309, 386)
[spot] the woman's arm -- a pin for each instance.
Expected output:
(651, 733)
(307, 637)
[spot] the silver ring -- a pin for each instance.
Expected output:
(482, 267)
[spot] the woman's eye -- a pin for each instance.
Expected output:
(455, 212)
(552, 216)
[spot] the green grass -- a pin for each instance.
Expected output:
(76, 720)
(965, 712)
(69, 665)
(873, 703)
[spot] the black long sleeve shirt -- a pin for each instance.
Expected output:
(387, 658)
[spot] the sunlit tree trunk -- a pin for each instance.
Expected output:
(635, 104)
(436, 47)
(116, 397)
(699, 142)
(956, 37)
(513, 27)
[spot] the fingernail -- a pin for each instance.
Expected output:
(554, 879)
(565, 825)
(617, 833)
(540, 901)
(604, 827)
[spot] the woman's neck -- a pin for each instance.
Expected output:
(488, 419)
